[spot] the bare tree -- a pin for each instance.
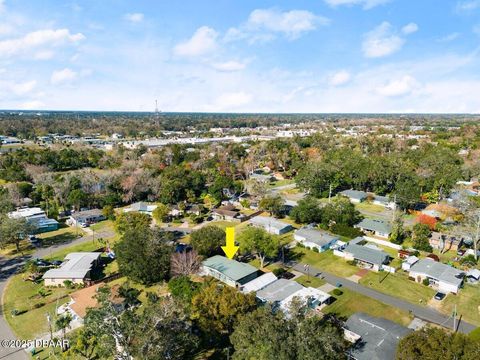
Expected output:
(470, 226)
(185, 263)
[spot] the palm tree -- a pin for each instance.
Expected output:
(62, 323)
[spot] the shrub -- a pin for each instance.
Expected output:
(346, 230)
(38, 305)
(426, 282)
(337, 292)
(315, 250)
(300, 245)
(68, 284)
(352, 262)
(278, 272)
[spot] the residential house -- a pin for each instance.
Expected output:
(76, 268)
(375, 227)
(373, 338)
(354, 196)
(368, 256)
(141, 207)
(36, 217)
(444, 242)
(227, 212)
(87, 217)
(260, 177)
(271, 225)
(409, 261)
(281, 292)
(384, 201)
(259, 283)
(230, 272)
(441, 276)
(473, 276)
(315, 239)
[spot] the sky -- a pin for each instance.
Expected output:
(302, 56)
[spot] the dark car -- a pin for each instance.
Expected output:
(42, 263)
(57, 262)
(439, 296)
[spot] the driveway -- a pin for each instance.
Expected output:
(9, 266)
(421, 312)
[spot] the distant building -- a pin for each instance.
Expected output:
(373, 338)
(230, 272)
(315, 239)
(227, 212)
(375, 227)
(384, 201)
(141, 207)
(271, 225)
(86, 217)
(444, 242)
(443, 277)
(76, 268)
(354, 196)
(36, 217)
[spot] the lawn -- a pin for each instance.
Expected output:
(63, 235)
(84, 246)
(281, 183)
(351, 302)
(310, 281)
(398, 285)
(467, 301)
(11, 250)
(366, 206)
(23, 296)
(325, 261)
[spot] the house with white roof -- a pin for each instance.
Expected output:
(259, 283)
(141, 207)
(271, 225)
(76, 268)
(315, 239)
(441, 276)
(37, 217)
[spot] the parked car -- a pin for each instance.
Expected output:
(42, 263)
(84, 225)
(57, 262)
(440, 296)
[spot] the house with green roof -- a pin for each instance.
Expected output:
(375, 227)
(230, 272)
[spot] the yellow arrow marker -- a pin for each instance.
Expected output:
(230, 249)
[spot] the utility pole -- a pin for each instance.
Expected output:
(394, 207)
(455, 318)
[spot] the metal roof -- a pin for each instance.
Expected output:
(269, 222)
(259, 283)
(279, 290)
(232, 269)
(379, 337)
(75, 266)
(367, 254)
(439, 271)
(354, 194)
(375, 225)
(316, 236)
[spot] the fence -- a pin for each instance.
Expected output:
(383, 242)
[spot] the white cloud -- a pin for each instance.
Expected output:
(134, 17)
(410, 28)
(23, 88)
(63, 76)
(367, 4)
(399, 87)
(468, 5)
(231, 101)
(43, 55)
(36, 39)
(384, 40)
(263, 24)
(32, 105)
(449, 37)
(339, 78)
(2, 5)
(229, 66)
(203, 41)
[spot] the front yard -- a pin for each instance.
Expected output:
(398, 285)
(351, 302)
(324, 261)
(468, 304)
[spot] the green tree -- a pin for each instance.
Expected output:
(13, 231)
(272, 204)
(260, 243)
(420, 237)
(108, 212)
(307, 211)
(82, 344)
(143, 254)
(397, 235)
(131, 220)
(216, 308)
(160, 214)
(208, 240)
(433, 343)
(340, 211)
(63, 322)
(182, 288)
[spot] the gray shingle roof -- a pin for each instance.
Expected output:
(316, 236)
(279, 290)
(375, 225)
(367, 254)
(269, 222)
(379, 337)
(439, 271)
(232, 269)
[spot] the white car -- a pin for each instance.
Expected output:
(84, 225)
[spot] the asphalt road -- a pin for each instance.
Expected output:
(422, 312)
(9, 266)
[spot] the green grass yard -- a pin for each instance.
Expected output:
(351, 302)
(398, 285)
(325, 261)
(310, 281)
(467, 301)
